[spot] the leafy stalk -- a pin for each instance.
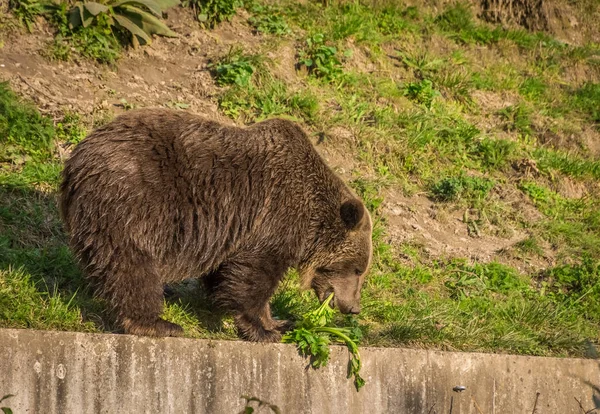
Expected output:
(313, 335)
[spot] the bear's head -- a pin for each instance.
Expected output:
(341, 265)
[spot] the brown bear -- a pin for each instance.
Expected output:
(158, 196)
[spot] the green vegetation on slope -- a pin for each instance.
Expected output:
(482, 120)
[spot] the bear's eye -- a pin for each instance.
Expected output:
(358, 272)
(324, 270)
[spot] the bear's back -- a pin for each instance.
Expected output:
(182, 187)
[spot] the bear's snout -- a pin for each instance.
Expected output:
(355, 310)
(345, 308)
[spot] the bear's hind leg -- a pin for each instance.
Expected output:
(136, 293)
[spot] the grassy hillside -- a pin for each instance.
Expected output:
(462, 137)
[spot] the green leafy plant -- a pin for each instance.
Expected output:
(272, 99)
(313, 334)
(577, 285)
(235, 68)
(320, 59)
(393, 19)
(212, 12)
(422, 92)
(457, 21)
(532, 88)
(141, 18)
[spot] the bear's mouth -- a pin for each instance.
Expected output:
(326, 295)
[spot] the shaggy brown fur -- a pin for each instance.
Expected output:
(159, 196)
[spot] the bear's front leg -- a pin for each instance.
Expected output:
(245, 288)
(258, 329)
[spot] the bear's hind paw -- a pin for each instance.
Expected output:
(158, 328)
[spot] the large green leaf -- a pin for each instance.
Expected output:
(76, 16)
(150, 4)
(84, 13)
(133, 27)
(146, 21)
(155, 6)
(95, 8)
(167, 4)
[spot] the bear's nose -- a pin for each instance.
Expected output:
(355, 310)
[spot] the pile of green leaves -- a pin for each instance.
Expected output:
(313, 334)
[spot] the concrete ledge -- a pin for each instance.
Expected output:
(65, 372)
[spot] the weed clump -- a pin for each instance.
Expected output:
(321, 60)
(461, 187)
(422, 92)
(212, 12)
(267, 19)
(517, 118)
(235, 68)
(587, 100)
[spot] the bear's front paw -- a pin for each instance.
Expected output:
(283, 325)
(269, 336)
(253, 330)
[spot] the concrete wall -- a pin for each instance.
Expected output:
(61, 372)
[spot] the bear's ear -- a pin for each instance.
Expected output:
(352, 212)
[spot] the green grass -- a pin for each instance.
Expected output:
(268, 19)
(24, 133)
(587, 101)
(458, 23)
(273, 99)
(455, 188)
(432, 103)
(25, 304)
